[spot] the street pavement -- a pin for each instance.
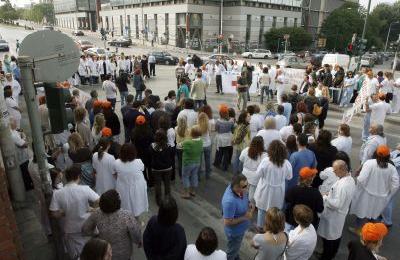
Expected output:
(205, 209)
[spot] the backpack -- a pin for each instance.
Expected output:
(317, 110)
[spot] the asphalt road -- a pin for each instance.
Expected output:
(205, 209)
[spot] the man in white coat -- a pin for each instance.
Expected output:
(376, 138)
(83, 70)
(336, 207)
(377, 182)
(71, 203)
(15, 86)
(105, 68)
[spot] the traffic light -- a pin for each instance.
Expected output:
(350, 49)
(57, 100)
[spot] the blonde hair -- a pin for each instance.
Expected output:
(270, 123)
(181, 127)
(203, 123)
(75, 142)
(99, 123)
(325, 92)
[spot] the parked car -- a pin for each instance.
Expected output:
(84, 45)
(292, 62)
(77, 33)
(257, 53)
(280, 55)
(367, 61)
(316, 59)
(48, 27)
(214, 57)
(4, 46)
(121, 42)
(163, 57)
(98, 52)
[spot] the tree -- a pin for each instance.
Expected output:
(298, 38)
(339, 27)
(386, 14)
(40, 12)
(8, 12)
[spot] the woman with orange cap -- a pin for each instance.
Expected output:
(305, 194)
(377, 183)
(223, 139)
(368, 246)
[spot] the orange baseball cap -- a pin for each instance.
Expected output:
(373, 231)
(106, 104)
(97, 104)
(106, 132)
(223, 108)
(307, 172)
(140, 120)
(383, 150)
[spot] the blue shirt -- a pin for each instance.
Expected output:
(298, 160)
(235, 207)
(287, 111)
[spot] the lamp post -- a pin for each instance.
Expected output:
(388, 34)
(363, 32)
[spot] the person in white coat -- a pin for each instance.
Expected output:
(251, 157)
(15, 86)
(336, 207)
(376, 184)
(302, 239)
(269, 133)
(104, 66)
(104, 167)
(94, 69)
(343, 142)
(280, 85)
(272, 173)
(131, 184)
(376, 138)
(83, 70)
(396, 97)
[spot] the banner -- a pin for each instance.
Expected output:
(348, 114)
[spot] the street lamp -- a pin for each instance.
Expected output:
(363, 32)
(388, 34)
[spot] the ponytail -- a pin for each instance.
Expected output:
(104, 143)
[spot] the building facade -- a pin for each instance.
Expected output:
(197, 23)
(76, 14)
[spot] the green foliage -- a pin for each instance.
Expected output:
(8, 12)
(381, 18)
(298, 40)
(39, 12)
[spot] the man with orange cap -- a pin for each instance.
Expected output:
(379, 109)
(304, 193)
(336, 206)
(376, 184)
(368, 246)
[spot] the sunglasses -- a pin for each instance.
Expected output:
(243, 187)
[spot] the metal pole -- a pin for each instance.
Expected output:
(396, 56)
(387, 37)
(286, 45)
(8, 152)
(26, 66)
(363, 32)
(141, 6)
(220, 25)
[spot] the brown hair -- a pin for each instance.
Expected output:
(203, 123)
(256, 147)
(277, 153)
(301, 107)
(79, 114)
(75, 142)
(345, 129)
(274, 220)
(195, 132)
(206, 109)
(128, 153)
(303, 215)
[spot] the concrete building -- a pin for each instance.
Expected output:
(46, 1)
(316, 11)
(197, 23)
(76, 14)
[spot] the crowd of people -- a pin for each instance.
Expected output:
(291, 180)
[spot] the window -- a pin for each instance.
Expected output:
(274, 22)
(285, 22)
(137, 26)
(260, 36)
(295, 22)
(248, 29)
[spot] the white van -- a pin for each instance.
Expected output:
(341, 59)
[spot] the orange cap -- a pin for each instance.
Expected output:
(373, 231)
(97, 104)
(140, 120)
(223, 108)
(382, 96)
(106, 132)
(307, 172)
(106, 104)
(383, 150)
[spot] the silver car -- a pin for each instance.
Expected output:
(292, 62)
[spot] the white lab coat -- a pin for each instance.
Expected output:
(83, 68)
(375, 187)
(343, 143)
(108, 69)
(270, 191)
(105, 172)
(132, 186)
(16, 89)
(93, 68)
(369, 147)
(396, 97)
(336, 206)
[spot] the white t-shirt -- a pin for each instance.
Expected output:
(73, 199)
(343, 143)
(105, 172)
(191, 117)
(281, 121)
(371, 86)
(110, 89)
(379, 111)
(171, 137)
(387, 86)
(269, 135)
(193, 254)
(286, 131)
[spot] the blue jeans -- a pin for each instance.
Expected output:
(268, 93)
(138, 95)
(347, 95)
(366, 125)
(387, 213)
(198, 104)
(260, 218)
(113, 101)
(190, 176)
(207, 162)
(123, 94)
(233, 246)
(237, 164)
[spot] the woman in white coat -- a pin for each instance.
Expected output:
(343, 142)
(377, 183)
(272, 173)
(103, 166)
(131, 184)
